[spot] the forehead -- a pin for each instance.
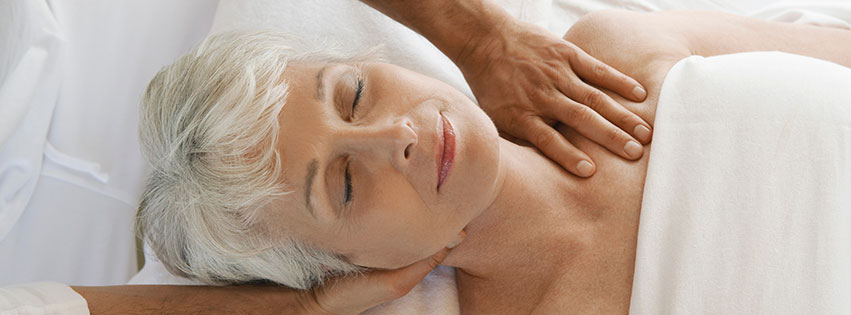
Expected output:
(299, 137)
(300, 76)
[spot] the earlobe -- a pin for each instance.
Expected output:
(458, 239)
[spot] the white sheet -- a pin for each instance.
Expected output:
(71, 173)
(747, 201)
(30, 74)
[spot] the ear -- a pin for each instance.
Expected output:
(458, 239)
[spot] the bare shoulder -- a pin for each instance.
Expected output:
(641, 45)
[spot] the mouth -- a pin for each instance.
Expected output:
(446, 149)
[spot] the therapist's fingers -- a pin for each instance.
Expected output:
(611, 110)
(356, 294)
(605, 76)
(608, 108)
(590, 123)
(555, 146)
(396, 283)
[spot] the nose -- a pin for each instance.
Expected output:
(394, 140)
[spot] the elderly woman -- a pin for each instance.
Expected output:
(270, 165)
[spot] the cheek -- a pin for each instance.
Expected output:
(397, 230)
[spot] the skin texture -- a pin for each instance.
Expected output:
(572, 246)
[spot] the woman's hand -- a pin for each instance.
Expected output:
(528, 80)
(354, 295)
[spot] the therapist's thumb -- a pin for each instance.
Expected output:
(356, 294)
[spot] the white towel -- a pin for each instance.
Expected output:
(747, 201)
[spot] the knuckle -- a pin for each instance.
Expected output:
(433, 262)
(526, 121)
(580, 113)
(599, 70)
(545, 138)
(625, 120)
(615, 135)
(594, 99)
(513, 122)
(510, 122)
(537, 94)
(570, 51)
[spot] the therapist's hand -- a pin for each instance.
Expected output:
(528, 80)
(344, 296)
(356, 294)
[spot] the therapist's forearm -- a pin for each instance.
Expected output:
(180, 299)
(453, 26)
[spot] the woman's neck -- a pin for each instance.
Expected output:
(534, 209)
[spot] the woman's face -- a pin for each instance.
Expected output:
(364, 167)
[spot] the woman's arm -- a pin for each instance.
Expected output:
(714, 33)
(662, 37)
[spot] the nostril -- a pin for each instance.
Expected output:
(408, 150)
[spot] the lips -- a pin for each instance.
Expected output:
(446, 149)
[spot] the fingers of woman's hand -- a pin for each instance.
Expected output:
(603, 75)
(356, 294)
(556, 147)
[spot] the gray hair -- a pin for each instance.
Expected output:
(208, 126)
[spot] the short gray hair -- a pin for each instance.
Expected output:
(208, 126)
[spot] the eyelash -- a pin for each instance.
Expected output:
(348, 181)
(348, 176)
(358, 93)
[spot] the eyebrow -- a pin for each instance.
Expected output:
(320, 86)
(314, 164)
(308, 185)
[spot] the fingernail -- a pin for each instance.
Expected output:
(639, 92)
(585, 168)
(633, 149)
(642, 133)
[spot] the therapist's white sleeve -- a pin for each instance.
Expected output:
(41, 298)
